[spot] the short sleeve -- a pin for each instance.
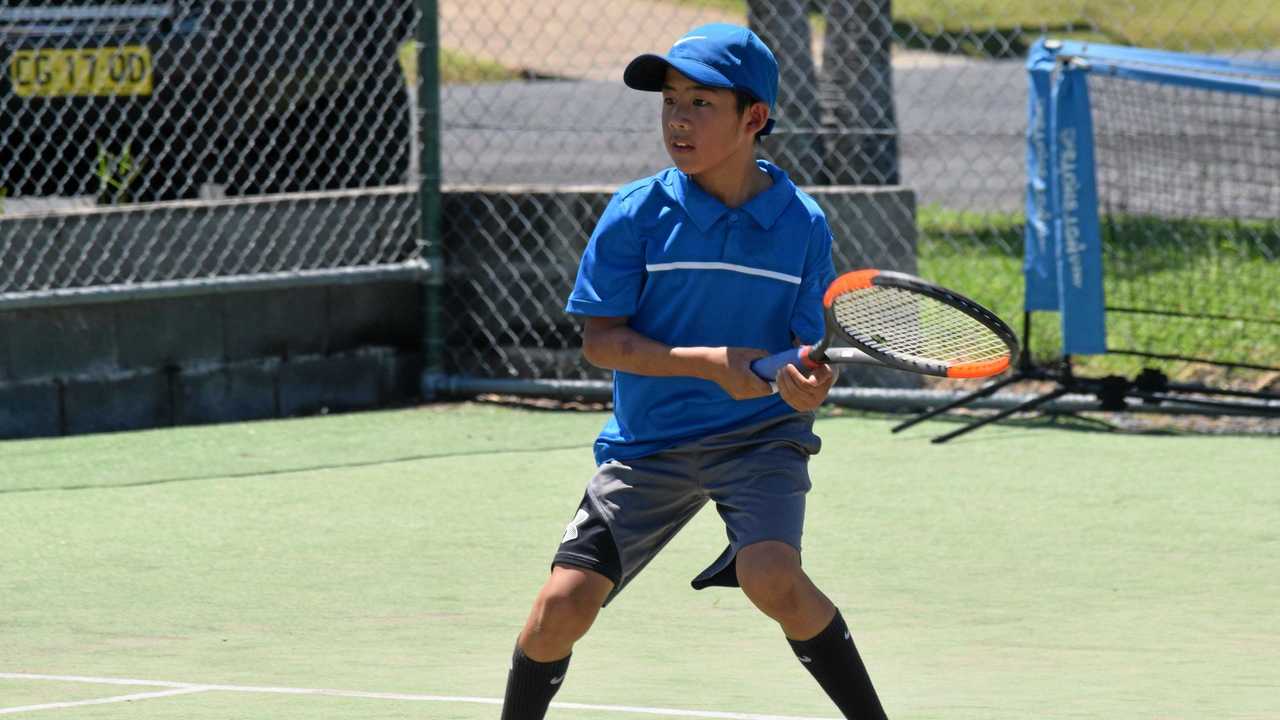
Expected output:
(807, 323)
(612, 270)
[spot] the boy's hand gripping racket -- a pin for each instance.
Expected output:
(903, 322)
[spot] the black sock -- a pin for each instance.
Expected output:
(531, 685)
(833, 660)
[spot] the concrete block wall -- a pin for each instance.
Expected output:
(210, 358)
(221, 355)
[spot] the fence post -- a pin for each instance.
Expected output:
(429, 197)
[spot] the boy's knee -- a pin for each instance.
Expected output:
(567, 609)
(567, 606)
(771, 578)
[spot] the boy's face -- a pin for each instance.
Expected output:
(701, 126)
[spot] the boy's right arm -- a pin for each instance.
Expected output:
(610, 343)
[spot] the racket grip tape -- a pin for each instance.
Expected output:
(767, 367)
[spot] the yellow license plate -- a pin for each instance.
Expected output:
(124, 70)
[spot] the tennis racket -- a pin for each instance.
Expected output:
(904, 322)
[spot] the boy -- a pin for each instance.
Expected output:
(689, 276)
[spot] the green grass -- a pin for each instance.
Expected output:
(457, 68)
(1006, 27)
(1195, 25)
(1201, 267)
(986, 579)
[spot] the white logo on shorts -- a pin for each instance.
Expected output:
(571, 532)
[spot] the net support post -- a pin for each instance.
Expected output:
(1074, 207)
(428, 100)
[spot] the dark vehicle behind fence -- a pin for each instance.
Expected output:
(146, 101)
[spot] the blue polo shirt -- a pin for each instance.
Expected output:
(690, 271)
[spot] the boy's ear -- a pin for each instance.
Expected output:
(757, 116)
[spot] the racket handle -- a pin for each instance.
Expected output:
(768, 367)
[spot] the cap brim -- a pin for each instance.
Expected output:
(649, 72)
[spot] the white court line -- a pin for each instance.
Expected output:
(104, 701)
(180, 687)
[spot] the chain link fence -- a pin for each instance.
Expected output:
(926, 96)
(191, 141)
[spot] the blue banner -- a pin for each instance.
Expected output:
(1074, 205)
(1039, 261)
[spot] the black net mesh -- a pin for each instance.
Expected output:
(1189, 198)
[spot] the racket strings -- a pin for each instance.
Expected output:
(925, 327)
(904, 323)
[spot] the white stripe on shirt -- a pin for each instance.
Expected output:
(662, 267)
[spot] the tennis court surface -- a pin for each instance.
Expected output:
(379, 565)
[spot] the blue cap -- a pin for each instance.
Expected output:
(716, 55)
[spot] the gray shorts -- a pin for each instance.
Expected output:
(757, 476)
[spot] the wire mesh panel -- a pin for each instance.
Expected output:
(122, 124)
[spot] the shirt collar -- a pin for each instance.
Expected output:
(765, 208)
